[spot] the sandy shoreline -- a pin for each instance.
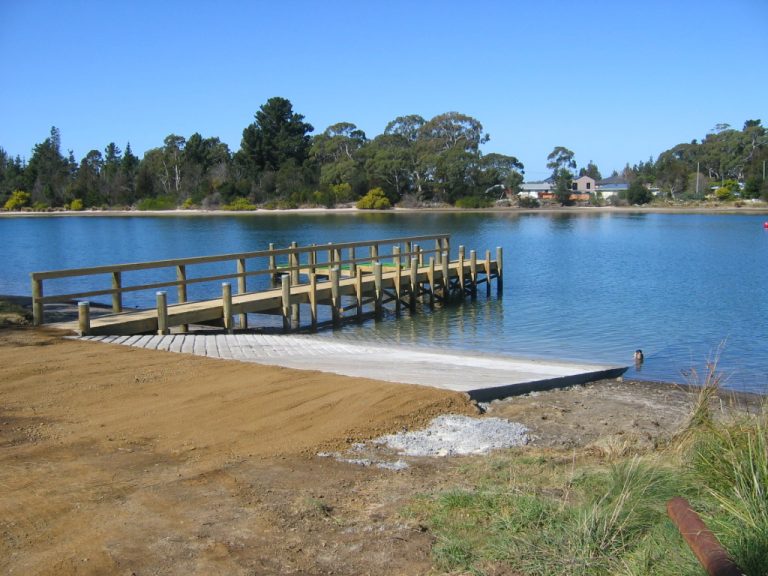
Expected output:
(118, 460)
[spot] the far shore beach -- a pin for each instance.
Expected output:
(760, 208)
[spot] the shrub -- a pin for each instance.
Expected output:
(18, 200)
(473, 202)
(374, 200)
(76, 205)
(239, 204)
(40, 206)
(187, 204)
(159, 203)
(528, 202)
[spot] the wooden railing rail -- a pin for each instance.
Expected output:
(316, 256)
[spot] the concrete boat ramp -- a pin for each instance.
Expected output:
(482, 377)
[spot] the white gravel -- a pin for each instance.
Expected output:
(452, 435)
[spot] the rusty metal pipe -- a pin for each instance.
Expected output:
(704, 544)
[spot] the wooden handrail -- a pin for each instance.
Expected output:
(331, 250)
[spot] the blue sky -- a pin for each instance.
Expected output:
(613, 81)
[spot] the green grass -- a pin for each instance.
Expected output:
(552, 513)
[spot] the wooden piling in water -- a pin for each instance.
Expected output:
(431, 280)
(313, 300)
(487, 272)
(335, 295)
(461, 269)
(473, 272)
(413, 282)
(359, 292)
(378, 288)
(499, 270)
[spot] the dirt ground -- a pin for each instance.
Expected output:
(117, 460)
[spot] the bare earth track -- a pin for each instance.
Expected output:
(117, 460)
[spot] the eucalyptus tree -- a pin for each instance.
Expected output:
(337, 151)
(561, 162)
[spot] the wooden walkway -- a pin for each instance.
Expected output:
(312, 275)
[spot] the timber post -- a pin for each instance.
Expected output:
(379, 292)
(37, 306)
(352, 263)
(181, 289)
(272, 263)
(117, 295)
(431, 278)
(446, 278)
(335, 295)
(242, 288)
(285, 282)
(359, 292)
(162, 313)
(414, 282)
(313, 299)
(487, 272)
(226, 305)
(473, 272)
(293, 261)
(438, 252)
(461, 269)
(499, 270)
(84, 318)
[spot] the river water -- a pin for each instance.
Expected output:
(685, 288)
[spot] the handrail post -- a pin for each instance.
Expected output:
(487, 272)
(181, 289)
(374, 252)
(352, 263)
(499, 269)
(162, 313)
(313, 299)
(396, 256)
(84, 318)
(293, 262)
(414, 277)
(473, 272)
(272, 264)
(117, 295)
(335, 295)
(431, 277)
(438, 252)
(285, 281)
(226, 305)
(242, 288)
(379, 292)
(461, 269)
(446, 277)
(37, 306)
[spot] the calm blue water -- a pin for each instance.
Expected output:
(590, 287)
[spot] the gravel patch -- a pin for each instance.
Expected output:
(453, 435)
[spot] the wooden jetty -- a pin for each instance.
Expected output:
(348, 277)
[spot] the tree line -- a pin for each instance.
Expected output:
(280, 163)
